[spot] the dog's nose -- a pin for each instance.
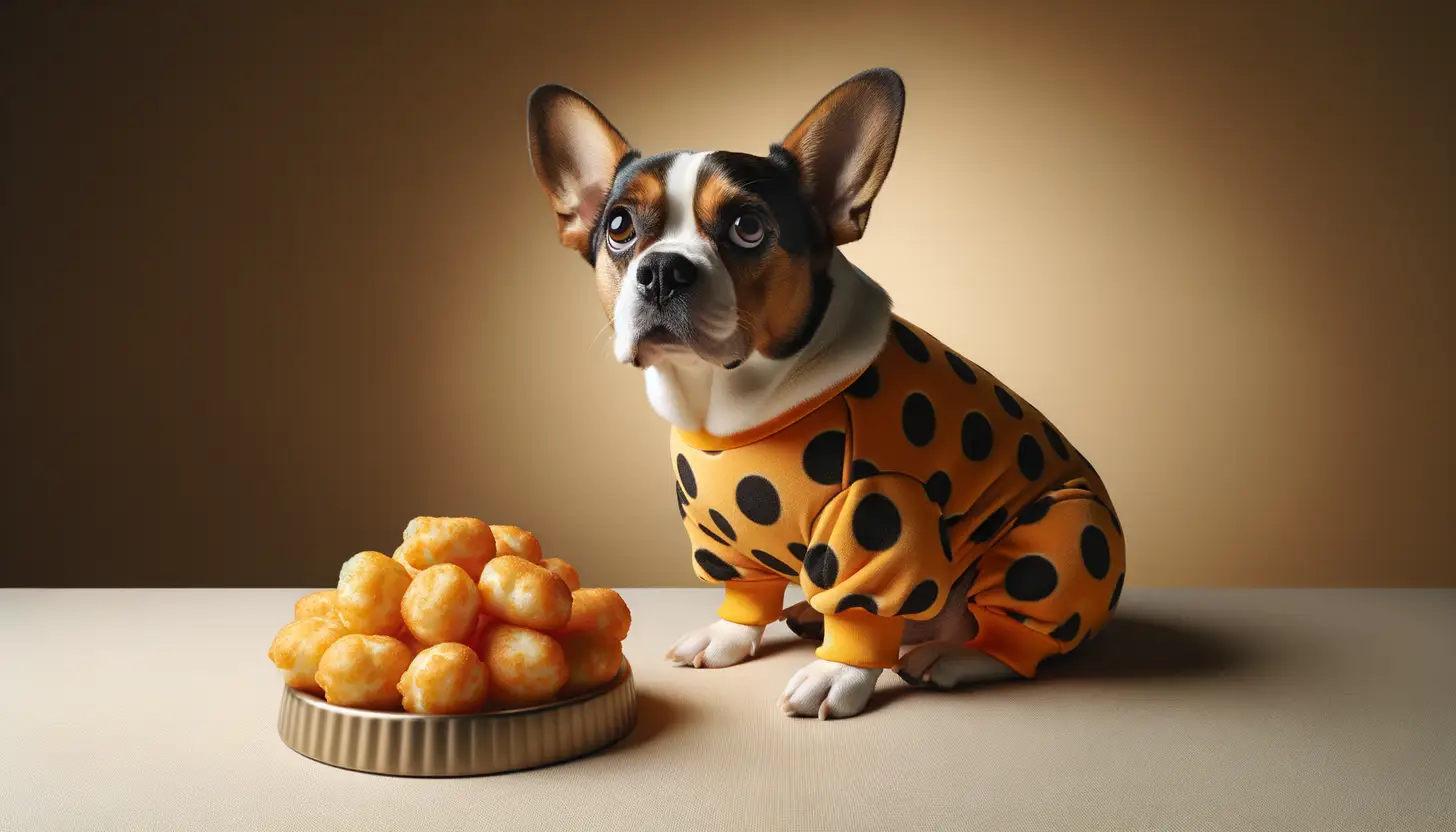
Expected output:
(662, 275)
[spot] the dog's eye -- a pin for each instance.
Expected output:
(747, 231)
(619, 227)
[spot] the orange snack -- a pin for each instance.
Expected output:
(519, 592)
(514, 540)
(315, 605)
(525, 667)
(444, 679)
(371, 587)
(592, 660)
(600, 611)
(399, 558)
(361, 671)
(464, 541)
(564, 571)
(297, 648)
(442, 604)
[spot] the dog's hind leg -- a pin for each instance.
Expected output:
(805, 621)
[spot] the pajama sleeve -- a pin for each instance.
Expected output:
(753, 594)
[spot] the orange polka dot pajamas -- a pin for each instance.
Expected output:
(877, 495)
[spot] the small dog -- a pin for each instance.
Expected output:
(817, 437)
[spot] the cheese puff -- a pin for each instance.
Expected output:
(564, 571)
(525, 667)
(297, 648)
(598, 611)
(442, 604)
(370, 589)
(514, 540)
(464, 541)
(315, 605)
(519, 592)
(592, 660)
(399, 558)
(445, 679)
(361, 671)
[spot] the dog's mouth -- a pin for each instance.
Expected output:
(660, 343)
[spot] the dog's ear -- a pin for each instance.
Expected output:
(844, 147)
(575, 152)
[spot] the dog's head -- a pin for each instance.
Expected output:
(718, 255)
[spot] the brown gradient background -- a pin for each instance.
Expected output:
(278, 278)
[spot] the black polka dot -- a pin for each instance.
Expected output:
(821, 565)
(920, 599)
(917, 418)
(722, 523)
(989, 526)
(758, 500)
(797, 550)
(945, 540)
(824, 457)
(685, 476)
(1008, 402)
(976, 436)
(857, 601)
(866, 385)
(772, 562)
(1054, 439)
(876, 523)
(954, 519)
(1016, 616)
(937, 488)
(714, 566)
(715, 538)
(862, 469)
(1069, 629)
(1029, 458)
(1031, 578)
(1096, 555)
(960, 367)
(682, 502)
(1035, 512)
(1116, 524)
(910, 342)
(1116, 593)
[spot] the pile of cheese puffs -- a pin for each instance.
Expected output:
(464, 617)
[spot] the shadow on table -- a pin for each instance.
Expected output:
(1140, 647)
(656, 716)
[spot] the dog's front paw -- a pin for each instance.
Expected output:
(946, 664)
(719, 644)
(829, 689)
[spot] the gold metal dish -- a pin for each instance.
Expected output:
(490, 742)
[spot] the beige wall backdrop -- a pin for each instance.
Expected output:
(278, 278)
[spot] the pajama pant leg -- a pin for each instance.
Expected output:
(1049, 583)
(753, 592)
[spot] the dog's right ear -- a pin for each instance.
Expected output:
(575, 152)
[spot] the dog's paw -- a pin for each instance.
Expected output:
(946, 664)
(829, 690)
(719, 644)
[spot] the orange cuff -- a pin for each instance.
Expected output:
(1012, 643)
(860, 639)
(753, 603)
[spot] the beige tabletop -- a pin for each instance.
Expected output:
(1197, 709)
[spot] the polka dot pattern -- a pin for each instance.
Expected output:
(937, 488)
(1035, 512)
(758, 500)
(821, 565)
(824, 457)
(1096, 554)
(867, 385)
(1029, 458)
(976, 436)
(876, 523)
(1031, 578)
(722, 523)
(714, 566)
(1116, 593)
(1054, 440)
(1069, 629)
(958, 366)
(920, 599)
(798, 550)
(712, 536)
(682, 501)
(773, 563)
(862, 469)
(686, 477)
(910, 342)
(857, 601)
(945, 540)
(1008, 402)
(988, 528)
(917, 419)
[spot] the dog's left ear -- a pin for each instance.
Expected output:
(575, 152)
(844, 148)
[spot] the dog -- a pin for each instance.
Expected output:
(816, 435)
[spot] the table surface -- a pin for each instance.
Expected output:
(1196, 709)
